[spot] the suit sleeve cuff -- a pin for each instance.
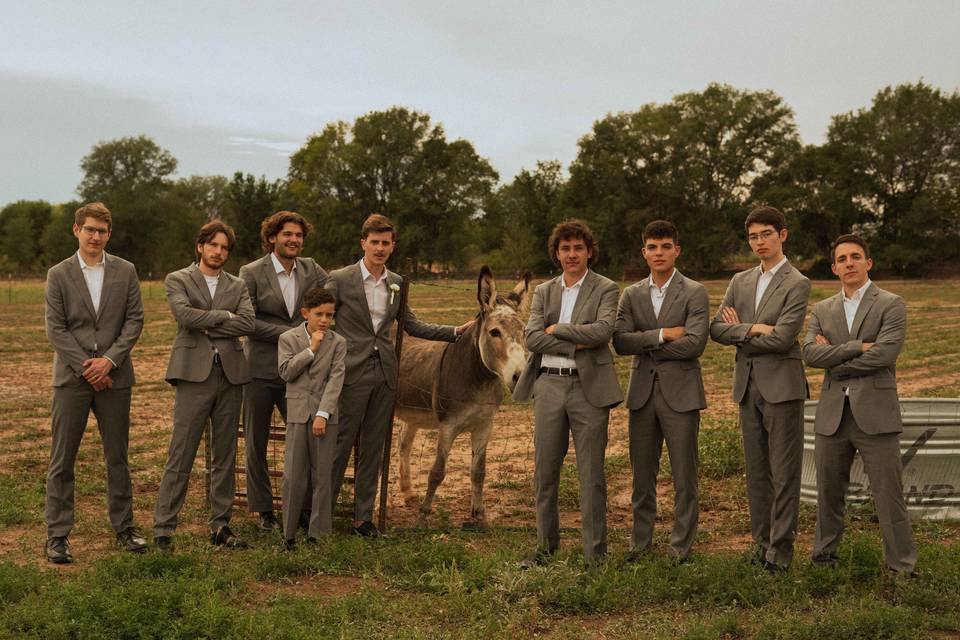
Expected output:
(310, 351)
(660, 337)
(323, 414)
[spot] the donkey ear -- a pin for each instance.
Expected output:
(486, 290)
(522, 293)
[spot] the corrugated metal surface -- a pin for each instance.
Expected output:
(929, 448)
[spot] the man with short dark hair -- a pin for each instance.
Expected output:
(761, 315)
(368, 303)
(207, 367)
(663, 322)
(572, 380)
(856, 336)
(276, 283)
(93, 315)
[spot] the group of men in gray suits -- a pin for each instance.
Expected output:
(663, 322)
(94, 316)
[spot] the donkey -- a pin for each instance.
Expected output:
(457, 387)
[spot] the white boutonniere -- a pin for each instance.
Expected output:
(394, 288)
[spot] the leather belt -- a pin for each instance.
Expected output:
(559, 371)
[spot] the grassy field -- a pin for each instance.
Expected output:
(443, 581)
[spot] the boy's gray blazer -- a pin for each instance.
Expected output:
(204, 326)
(871, 375)
(313, 381)
(353, 322)
(591, 324)
(77, 333)
(272, 319)
(676, 363)
(776, 357)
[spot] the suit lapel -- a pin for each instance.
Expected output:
(362, 296)
(586, 288)
(751, 295)
(201, 284)
(80, 283)
(393, 306)
(869, 297)
(270, 275)
(673, 292)
(109, 275)
(837, 316)
(222, 284)
(646, 304)
(298, 277)
(553, 302)
(775, 283)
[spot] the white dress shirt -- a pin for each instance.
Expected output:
(850, 306)
(212, 284)
(321, 414)
(376, 291)
(93, 275)
(288, 283)
(764, 281)
(567, 302)
(657, 295)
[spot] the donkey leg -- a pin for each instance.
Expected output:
(445, 440)
(478, 470)
(407, 435)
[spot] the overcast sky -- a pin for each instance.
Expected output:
(229, 86)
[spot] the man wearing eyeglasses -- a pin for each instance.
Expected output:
(93, 316)
(761, 315)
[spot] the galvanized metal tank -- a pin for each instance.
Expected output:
(929, 449)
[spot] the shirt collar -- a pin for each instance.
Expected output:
(306, 331)
(858, 294)
(653, 285)
(279, 267)
(84, 265)
(773, 270)
(365, 273)
(563, 283)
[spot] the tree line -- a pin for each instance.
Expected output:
(890, 171)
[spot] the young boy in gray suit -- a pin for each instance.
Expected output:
(311, 359)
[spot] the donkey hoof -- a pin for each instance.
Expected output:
(409, 499)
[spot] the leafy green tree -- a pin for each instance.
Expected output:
(901, 160)
(131, 176)
(394, 162)
(693, 160)
(57, 238)
(21, 230)
(519, 217)
(248, 201)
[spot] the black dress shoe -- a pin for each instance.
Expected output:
(772, 567)
(828, 561)
(268, 521)
(163, 543)
(367, 529)
(130, 539)
(537, 558)
(225, 538)
(58, 551)
(289, 544)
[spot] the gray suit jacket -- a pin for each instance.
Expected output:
(272, 317)
(77, 333)
(353, 323)
(676, 363)
(204, 325)
(776, 358)
(871, 375)
(591, 324)
(313, 381)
